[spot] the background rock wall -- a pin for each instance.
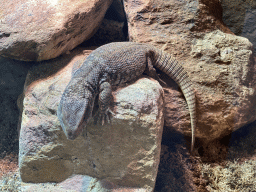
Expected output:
(240, 17)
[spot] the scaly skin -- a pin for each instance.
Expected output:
(111, 65)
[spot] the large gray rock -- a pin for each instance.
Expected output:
(125, 152)
(41, 30)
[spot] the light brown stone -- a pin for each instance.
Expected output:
(225, 78)
(42, 30)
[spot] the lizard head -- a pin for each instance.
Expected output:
(74, 114)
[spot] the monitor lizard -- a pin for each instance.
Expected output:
(115, 64)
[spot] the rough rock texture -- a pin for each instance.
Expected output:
(168, 24)
(219, 64)
(125, 152)
(225, 73)
(240, 17)
(12, 78)
(41, 30)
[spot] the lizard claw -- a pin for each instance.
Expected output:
(106, 117)
(103, 117)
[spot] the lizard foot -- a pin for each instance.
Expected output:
(103, 116)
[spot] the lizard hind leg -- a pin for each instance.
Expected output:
(104, 113)
(151, 71)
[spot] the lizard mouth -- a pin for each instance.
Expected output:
(73, 134)
(71, 118)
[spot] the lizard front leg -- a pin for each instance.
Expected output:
(105, 98)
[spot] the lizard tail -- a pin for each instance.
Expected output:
(166, 63)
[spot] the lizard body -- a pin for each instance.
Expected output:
(112, 65)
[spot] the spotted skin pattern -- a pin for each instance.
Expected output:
(115, 64)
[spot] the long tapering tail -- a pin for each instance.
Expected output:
(166, 63)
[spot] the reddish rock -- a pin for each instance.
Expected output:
(171, 25)
(42, 30)
(219, 63)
